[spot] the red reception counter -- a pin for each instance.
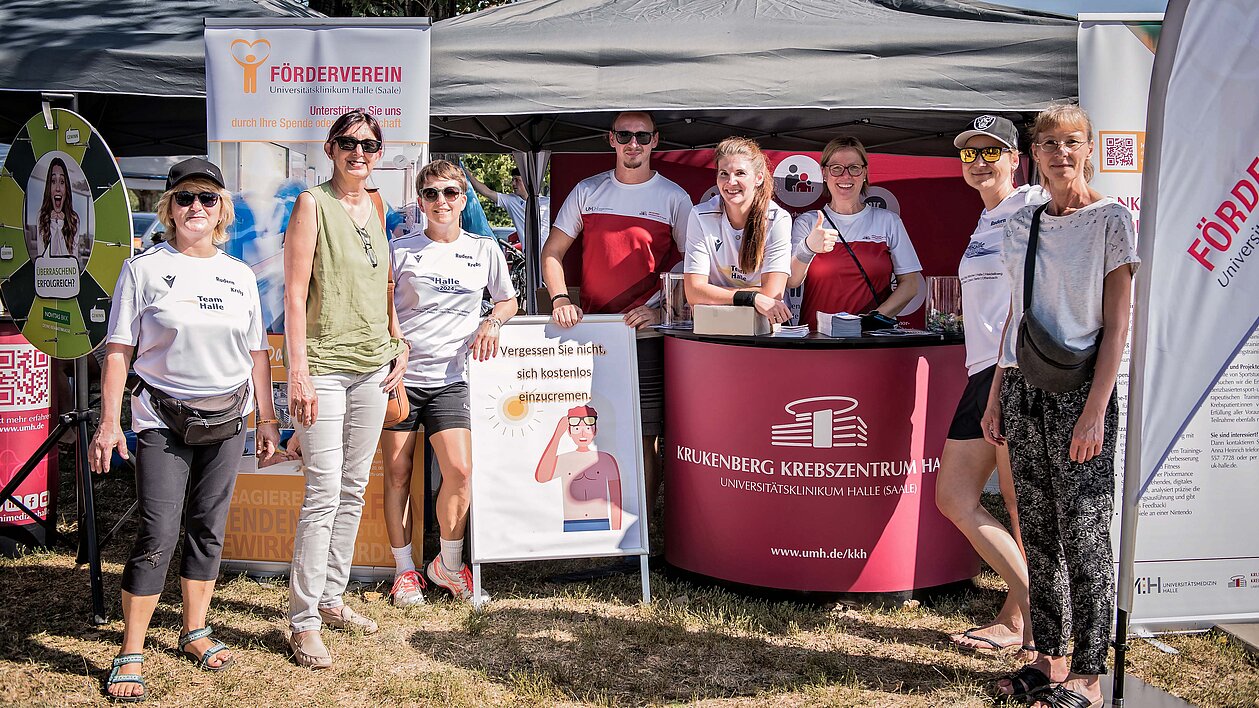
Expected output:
(809, 464)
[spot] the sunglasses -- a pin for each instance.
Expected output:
(367, 245)
(624, 136)
(348, 144)
(990, 154)
(839, 170)
(207, 199)
(430, 194)
(578, 420)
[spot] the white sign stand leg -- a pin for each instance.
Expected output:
(645, 571)
(478, 597)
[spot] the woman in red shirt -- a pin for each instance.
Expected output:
(870, 245)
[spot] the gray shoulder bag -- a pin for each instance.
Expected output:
(1045, 362)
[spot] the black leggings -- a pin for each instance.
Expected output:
(174, 480)
(1065, 513)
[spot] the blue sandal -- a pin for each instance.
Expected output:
(203, 661)
(115, 678)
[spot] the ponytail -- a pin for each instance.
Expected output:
(755, 231)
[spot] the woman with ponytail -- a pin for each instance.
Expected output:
(738, 244)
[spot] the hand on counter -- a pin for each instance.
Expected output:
(775, 311)
(642, 316)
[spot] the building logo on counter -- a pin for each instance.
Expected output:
(821, 422)
(1237, 581)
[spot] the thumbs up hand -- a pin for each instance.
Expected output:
(820, 239)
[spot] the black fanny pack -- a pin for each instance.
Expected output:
(200, 421)
(1045, 362)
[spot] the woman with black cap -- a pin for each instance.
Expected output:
(192, 317)
(989, 151)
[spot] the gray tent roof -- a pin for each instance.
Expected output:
(137, 65)
(902, 74)
(549, 73)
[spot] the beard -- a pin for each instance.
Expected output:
(633, 163)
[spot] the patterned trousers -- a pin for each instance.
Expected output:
(1065, 511)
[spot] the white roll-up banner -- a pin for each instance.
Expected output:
(1194, 381)
(274, 87)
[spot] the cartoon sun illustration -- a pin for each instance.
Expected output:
(512, 415)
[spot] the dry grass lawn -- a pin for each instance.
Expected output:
(542, 643)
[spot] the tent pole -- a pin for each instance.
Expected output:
(532, 174)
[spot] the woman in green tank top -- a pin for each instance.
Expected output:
(344, 352)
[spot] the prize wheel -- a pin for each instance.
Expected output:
(65, 231)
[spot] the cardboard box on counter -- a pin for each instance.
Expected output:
(729, 320)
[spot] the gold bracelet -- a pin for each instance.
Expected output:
(267, 421)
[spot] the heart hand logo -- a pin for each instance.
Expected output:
(250, 56)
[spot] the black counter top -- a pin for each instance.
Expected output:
(817, 341)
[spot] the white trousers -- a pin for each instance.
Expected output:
(337, 453)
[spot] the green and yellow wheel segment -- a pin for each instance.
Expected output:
(64, 328)
(12, 235)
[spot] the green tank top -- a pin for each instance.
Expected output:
(347, 316)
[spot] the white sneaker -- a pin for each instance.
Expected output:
(406, 591)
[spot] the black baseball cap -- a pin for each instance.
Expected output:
(993, 126)
(195, 167)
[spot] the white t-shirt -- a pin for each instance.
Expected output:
(870, 225)
(633, 232)
(193, 322)
(712, 245)
(985, 289)
(437, 292)
(1073, 257)
(517, 208)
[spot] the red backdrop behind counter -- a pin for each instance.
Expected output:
(810, 465)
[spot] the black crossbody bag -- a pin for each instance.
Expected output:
(1045, 362)
(874, 320)
(200, 421)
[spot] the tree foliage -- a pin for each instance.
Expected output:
(495, 172)
(434, 9)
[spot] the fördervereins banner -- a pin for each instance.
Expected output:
(287, 81)
(273, 89)
(1190, 571)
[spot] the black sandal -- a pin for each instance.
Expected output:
(1026, 683)
(1062, 697)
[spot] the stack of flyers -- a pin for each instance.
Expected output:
(841, 324)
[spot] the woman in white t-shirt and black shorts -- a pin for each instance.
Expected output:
(990, 156)
(738, 244)
(191, 315)
(440, 273)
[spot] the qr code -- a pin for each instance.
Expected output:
(24, 378)
(1119, 152)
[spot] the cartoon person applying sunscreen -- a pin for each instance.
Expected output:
(592, 479)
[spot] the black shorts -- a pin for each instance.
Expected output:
(651, 384)
(437, 409)
(970, 409)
